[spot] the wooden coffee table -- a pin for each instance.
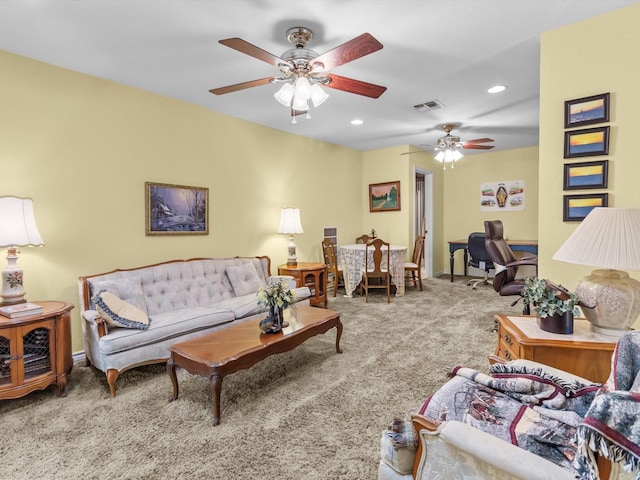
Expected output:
(242, 345)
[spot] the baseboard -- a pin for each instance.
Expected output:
(78, 356)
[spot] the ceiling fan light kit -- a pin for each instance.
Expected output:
(304, 71)
(449, 146)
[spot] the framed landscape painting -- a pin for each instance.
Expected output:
(585, 175)
(586, 142)
(176, 209)
(384, 197)
(586, 110)
(576, 207)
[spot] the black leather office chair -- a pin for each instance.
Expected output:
(478, 258)
(504, 261)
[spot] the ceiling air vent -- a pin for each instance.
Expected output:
(430, 105)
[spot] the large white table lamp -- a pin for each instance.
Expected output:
(609, 239)
(17, 229)
(290, 225)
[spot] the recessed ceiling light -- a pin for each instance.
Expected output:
(497, 89)
(357, 121)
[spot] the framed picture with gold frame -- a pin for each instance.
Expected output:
(384, 197)
(176, 209)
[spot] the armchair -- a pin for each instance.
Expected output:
(524, 420)
(505, 262)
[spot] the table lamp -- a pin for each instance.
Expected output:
(608, 238)
(17, 229)
(290, 225)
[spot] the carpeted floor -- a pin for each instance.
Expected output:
(305, 414)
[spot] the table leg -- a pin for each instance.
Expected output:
(451, 260)
(466, 261)
(171, 370)
(338, 335)
(216, 388)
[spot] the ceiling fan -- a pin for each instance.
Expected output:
(303, 70)
(449, 146)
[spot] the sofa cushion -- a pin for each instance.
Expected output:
(164, 326)
(118, 313)
(243, 306)
(244, 279)
(126, 289)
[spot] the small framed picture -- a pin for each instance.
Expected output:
(586, 111)
(585, 175)
(176, 209)
(384, 197)
(586, 142)
(576, 207)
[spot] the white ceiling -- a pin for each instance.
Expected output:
(447, 50)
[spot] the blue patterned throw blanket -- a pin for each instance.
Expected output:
(611, 426)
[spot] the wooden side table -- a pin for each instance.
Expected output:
(583, 353)
(312, 275)
(35, 351)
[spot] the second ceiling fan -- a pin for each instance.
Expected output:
(449, 146)
(303, 71)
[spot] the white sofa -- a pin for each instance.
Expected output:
(181, 298)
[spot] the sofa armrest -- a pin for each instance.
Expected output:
(462, 451)
(289, 280)
(93, 321)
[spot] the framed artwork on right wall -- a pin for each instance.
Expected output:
(577, 207)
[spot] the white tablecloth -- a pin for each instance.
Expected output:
(351, 258)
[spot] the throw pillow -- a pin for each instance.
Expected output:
(118, 313)
(127, 289)
(244, 279)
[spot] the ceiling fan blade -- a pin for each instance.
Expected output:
(348, 51)
(415, 151)
(480, 140)
(251, 50)
(477, 147)
(240, 86)
(354, 86)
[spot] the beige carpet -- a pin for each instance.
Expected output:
(305, 414)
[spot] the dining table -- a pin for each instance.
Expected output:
(351, 258)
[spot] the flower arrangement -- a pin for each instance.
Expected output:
(276, 295)
(547, 298)
(14, 279)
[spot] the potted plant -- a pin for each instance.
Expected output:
(554, 304)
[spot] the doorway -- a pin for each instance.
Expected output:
(423, 216)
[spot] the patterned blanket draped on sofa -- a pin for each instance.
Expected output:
(611, 426)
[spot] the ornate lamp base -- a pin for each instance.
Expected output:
(610, 300)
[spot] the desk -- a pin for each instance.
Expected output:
(530, 246)
(351, 257)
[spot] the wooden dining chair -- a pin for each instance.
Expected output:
(333, 269)
(362, 238)
(378, 268)
(415, 265)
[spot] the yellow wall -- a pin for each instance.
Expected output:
(83, 148)
(587, 58)
(462, 213)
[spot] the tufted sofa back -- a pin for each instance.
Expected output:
(172, 285)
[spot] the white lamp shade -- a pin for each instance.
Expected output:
(285, 94)
(606, 238)
(290, 221)
(318, 95)
(17, 223)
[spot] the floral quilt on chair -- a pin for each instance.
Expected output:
(526, 404)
